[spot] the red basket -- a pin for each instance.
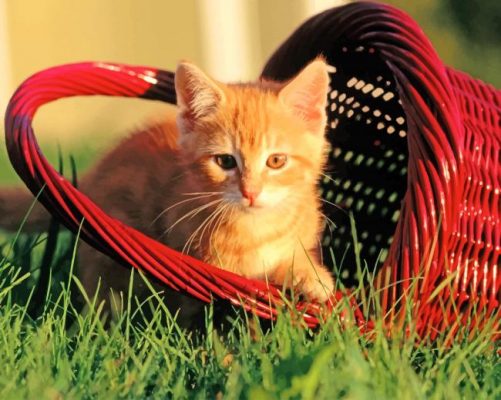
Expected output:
(415, 158)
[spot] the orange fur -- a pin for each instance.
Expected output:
(166, 182)
(277, 237)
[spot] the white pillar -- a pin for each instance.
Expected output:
(227, 40)
(313, 7)
(5, 76)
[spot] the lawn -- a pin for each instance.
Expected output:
(55, 347)
(52, 350)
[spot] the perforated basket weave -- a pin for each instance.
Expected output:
(415, 158)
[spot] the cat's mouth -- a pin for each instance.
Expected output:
(247, 206)
(253, 207)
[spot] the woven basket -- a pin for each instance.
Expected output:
(415, 159)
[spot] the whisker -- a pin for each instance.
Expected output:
(218, 223)
(200, 193)
(192, 214)
(191, 239)
(334, 205)
(178, 203)
(205, 223)
(213, 219)
(329, 178)
(330, 223)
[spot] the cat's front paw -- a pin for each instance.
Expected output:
(315, 282)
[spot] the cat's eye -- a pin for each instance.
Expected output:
(225, 161)
(276, 161)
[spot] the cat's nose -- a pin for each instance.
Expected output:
(251, 194)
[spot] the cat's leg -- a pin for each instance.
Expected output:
(306, 275)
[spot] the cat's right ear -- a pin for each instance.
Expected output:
(197, 95)
(306, 95)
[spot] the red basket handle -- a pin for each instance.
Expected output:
(123, 243)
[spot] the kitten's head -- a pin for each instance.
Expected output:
(259, 145)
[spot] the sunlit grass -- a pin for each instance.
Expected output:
(55, 350)
(57, 343)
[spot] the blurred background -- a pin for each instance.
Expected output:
(230, 39)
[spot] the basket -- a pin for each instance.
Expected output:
(415, 159)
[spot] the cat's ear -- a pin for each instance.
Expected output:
(197, 94)
(306, 95)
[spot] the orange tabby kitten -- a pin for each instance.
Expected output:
(233, 182)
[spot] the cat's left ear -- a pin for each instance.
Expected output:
(306, 95)
(197, 94)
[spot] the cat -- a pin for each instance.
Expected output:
(232, 179)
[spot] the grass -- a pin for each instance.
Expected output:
(52, 349)
(56, 351)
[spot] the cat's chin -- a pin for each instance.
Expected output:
(251, 209)
(255, 208)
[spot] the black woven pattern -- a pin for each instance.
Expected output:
(367, 169)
